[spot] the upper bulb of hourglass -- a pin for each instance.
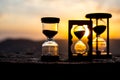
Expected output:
(50, 26)
(79, 31)
(99, 29)
(49, 33)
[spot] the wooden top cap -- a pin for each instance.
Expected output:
(98, 15)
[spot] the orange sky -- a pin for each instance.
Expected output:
(21, 18)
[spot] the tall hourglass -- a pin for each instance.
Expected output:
(50, 47)
(100, 44)
(80, 47)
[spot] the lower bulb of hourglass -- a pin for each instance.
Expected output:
(50, 48)
(101, 44)
(80, 48)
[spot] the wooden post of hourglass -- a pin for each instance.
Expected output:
(97, 52)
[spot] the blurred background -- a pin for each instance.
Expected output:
(21, 28)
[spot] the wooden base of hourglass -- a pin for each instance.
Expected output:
(102, 56)
(49, 58)
(80, 58)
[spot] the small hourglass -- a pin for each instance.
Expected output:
(79, 44)
(50, 47)
(79, 47)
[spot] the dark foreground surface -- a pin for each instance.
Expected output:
(97, 65)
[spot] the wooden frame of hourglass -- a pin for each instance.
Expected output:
(71, 55)
(96, 17)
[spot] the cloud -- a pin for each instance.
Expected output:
(115, 14)
(62, 8)
(65, 9)
(50, 7)
(1, 14)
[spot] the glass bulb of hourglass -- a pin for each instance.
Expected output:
(80, 47)
(50, 47)
(49, 33)
(99, 29)
(99, 42)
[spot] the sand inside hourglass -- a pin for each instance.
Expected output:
(79, 34)
(99, 29)
(50, 33)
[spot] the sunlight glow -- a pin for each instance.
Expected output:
(22, 17)
(86, 31)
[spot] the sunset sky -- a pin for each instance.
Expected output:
(21, 18)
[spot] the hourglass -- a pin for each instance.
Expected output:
(50, 47)
(100, 45)
(80, 45)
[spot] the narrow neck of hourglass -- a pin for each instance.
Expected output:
(50, 39)
(97, 35)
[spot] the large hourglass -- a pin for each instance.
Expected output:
(80, 47)
(50, 47)
(100, 45)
